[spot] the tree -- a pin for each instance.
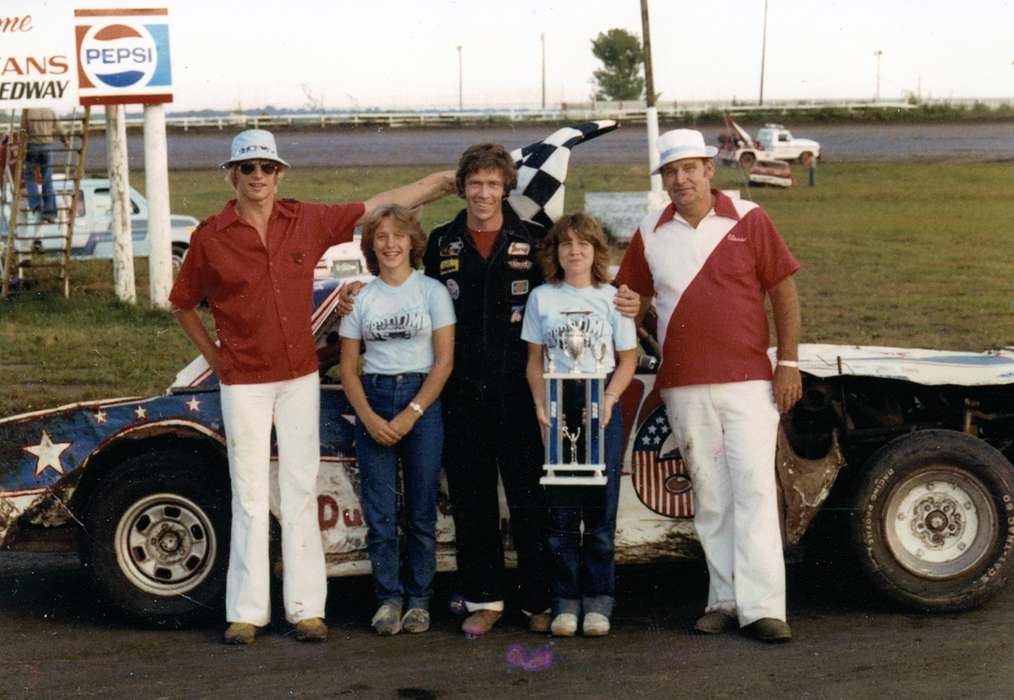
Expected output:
(621, 55)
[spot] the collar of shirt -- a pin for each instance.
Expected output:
(723, 207)
(228, 216)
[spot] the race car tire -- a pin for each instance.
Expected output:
(156, 544)
(935, 520)
(805, 158)
(746, 160)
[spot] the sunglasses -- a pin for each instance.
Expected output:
(247, 168)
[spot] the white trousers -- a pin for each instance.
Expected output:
(249, 410)
(727, 435)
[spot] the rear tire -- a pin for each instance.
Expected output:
(158, 539)
(936, 520)
(805, 158)
(179, 253)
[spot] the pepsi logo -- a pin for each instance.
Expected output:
(677, 484)
(118, 55)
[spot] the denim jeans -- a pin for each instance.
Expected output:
(584, 567)
(38, 156)
(420, 456)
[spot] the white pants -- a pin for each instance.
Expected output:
(249, 410)
(727, 435)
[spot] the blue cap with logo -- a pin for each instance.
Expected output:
(253, 144)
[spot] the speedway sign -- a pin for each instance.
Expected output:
(36, 57)
(123, 56)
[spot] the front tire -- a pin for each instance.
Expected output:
(179, 253)
(159, 539)
(936, 520)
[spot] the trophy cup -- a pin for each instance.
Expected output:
(574, 469)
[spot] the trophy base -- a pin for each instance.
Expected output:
(587, 475)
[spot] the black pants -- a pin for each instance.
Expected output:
(488, 431)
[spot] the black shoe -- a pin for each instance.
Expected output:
(716, 622)
(770, 630)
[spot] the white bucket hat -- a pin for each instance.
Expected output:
(682, 143)
(253, 144)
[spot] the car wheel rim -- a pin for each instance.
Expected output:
(940, 523)
(165, 544)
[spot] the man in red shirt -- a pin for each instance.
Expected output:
(709, 262)
(254, 263)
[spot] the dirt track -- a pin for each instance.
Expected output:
(58, 643)
(364, 147)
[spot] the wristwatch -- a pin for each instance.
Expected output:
(415, 407)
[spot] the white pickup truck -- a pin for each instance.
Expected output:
(773, 142)
(93, 237)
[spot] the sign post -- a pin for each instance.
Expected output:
(124, 58)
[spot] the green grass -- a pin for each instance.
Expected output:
(911, 255)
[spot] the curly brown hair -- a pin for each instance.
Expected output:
(405, 221)
(486, 156)
(583, 227)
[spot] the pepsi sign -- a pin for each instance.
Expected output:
(123, 56)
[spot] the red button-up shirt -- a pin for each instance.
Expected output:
(262, 299)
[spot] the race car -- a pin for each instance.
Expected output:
(911, 449)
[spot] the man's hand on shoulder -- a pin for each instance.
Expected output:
(627, 301)
(347, 296)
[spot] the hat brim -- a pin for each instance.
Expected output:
(682, 154)
(229, 163)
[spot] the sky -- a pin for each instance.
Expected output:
(357, 54)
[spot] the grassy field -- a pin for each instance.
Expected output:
(912, 255)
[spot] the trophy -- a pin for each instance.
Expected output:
(566, 464)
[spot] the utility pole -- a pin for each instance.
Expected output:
(542, 37)
(764, 50)
(876, 95)
(651, 114)
(460, 78)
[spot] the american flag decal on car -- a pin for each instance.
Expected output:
(660, 477)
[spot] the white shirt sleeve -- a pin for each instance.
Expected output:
(441, 307)
(352, 325)
(531, 327)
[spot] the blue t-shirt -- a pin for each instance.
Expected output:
(397, 323)
(545, 323)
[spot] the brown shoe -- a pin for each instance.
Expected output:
(311, 629)
(716, 622)
(480, 622)
(770, 630)
(539, 623)
(240, 633)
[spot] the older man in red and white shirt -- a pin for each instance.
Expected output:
(709, 261)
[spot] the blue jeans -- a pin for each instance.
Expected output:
(37, 156)
(584, 567)
(420, 453)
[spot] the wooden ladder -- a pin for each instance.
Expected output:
(35, 246)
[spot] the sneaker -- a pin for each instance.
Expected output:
(770, 630)
(539, 623)
(716, 622)
(480, 622)
(240, 633)
(564, 625)
(595, 625)
(416, 620)
(387, 620)
(312, 629)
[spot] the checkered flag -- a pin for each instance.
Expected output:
(542, 168)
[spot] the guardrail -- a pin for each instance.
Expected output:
(568, 112)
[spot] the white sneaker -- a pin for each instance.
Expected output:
(564, 625)
(595, 625)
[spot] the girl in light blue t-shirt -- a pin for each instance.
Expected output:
(406, 321)
(575, 261)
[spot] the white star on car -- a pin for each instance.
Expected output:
(48, 454)
(141, 412)
(100, 417)
(193, 404)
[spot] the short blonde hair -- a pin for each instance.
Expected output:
(583, 227)
(406, 223)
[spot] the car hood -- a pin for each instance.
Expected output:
(928, 367)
